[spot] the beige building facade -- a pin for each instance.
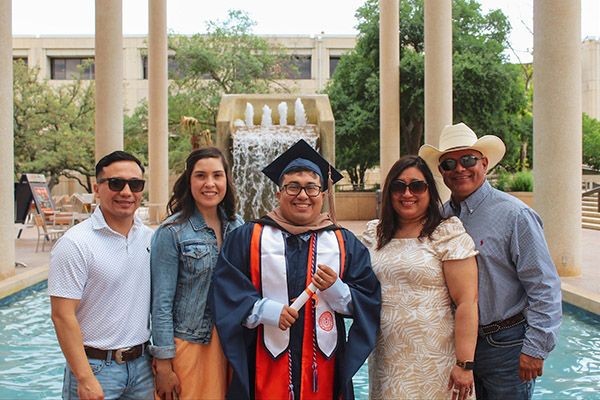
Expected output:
(316, 57)
(590, 60)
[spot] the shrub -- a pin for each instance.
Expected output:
(502, 181)
(522, 182)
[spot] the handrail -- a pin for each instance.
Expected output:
(593, 191)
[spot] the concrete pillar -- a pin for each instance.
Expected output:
(438, 68)
(389, 96)
(7, 197)
(438, 75)
(557, 128)
(158, 129)
(109, 77)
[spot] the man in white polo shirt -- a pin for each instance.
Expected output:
(99, 283)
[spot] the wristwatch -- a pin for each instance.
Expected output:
(468, 365)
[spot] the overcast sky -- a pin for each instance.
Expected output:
(76, 17)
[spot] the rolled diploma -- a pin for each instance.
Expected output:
(304, 296)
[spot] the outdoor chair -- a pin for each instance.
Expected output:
(46, 232)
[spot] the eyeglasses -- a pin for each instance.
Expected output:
(416, 187)
(449, 164)
(118, 184)
(293, 189)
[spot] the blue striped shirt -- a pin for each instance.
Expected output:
(516, 271)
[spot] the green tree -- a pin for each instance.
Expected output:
(591, 141)
(135, 132)
(354, 97)
(53, 127)
(227, 59)
(488, 93)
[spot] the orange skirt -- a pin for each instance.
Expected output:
(202, 369)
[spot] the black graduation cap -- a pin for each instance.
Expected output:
(301, 154)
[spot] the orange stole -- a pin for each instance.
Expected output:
(272, 376)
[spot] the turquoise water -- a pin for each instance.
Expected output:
(31, 363)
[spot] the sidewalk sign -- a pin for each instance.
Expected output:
(31, 187)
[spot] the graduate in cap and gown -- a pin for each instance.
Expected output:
(278, 348)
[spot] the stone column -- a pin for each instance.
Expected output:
(438, 75)
(109, 77)
(158, 129)
(557, 128)
(7, 197)
(389, 96)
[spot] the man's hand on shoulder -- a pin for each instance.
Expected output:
(287, 318)
(530, 367)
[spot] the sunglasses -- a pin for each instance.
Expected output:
(416, 187)
(118, 184)
(467, 161)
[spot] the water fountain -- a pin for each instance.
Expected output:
(282, 108)
(266, 117)
(252, 141)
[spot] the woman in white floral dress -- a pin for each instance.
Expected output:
(428, 273)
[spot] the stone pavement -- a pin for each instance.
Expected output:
(582, 291)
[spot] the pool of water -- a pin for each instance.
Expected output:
(31, 363)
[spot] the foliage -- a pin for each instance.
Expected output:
(227, 59)
(135, 132)
(354, 97)
(507, 181)
(489, 95)
(591, 141)
(53, 127)
(503, 180)
(522, 181)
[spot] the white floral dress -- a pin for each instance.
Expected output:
(414, 353)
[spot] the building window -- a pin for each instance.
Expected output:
(172, 68)
(303, 63)
(68, 68)
(333, 62)
(302, 68)
(24, 60)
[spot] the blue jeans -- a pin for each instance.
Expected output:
(496, 370)
(131, 380)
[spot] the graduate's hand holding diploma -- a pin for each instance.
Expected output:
(288, 317)
(322, 280)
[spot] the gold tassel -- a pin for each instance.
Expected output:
(330, 199)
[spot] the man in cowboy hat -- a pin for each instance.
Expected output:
(519, 289)
(278, 350)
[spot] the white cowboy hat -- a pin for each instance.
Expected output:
(461, 137)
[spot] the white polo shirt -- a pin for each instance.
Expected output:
(110, 275)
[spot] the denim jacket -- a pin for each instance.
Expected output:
(182, 260)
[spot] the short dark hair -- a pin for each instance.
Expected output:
(182, 200)
(388, 221)
(298, 169)
(117, 155)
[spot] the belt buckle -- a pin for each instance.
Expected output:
(119, 355)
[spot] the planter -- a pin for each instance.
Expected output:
(525, 197)
(351, 206)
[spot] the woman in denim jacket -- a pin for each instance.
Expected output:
(189, 362)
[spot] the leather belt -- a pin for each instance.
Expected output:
(498, 326)
(121, 356)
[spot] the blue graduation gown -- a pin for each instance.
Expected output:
(233, 296)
